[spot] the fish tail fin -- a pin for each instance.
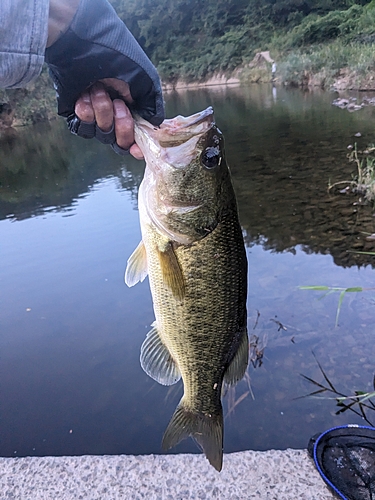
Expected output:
(205, 429)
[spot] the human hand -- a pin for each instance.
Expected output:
(97, 46)
(96, 106)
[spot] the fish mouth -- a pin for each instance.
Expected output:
(182, 128)
(175, 138)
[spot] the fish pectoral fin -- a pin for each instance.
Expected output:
(237, 368)
(157, 361)
(205, 429)
(171, 271)
(136, 269)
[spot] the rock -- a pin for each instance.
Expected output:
(351, 107)
(341, 103)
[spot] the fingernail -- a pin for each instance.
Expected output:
(99, 92)
(119, 109)
(86, 97)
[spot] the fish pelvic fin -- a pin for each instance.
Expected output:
(205, 429)
(136, 269)
(237, 367)
(171, 271)
(157, 361)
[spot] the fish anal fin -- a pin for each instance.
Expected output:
(136, 269)
(205, 429)
(171, 271)
(237, 368)
(157, 361)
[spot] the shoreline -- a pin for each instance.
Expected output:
(272, 475)
(216, 80)
(344, 81)
(29, 108)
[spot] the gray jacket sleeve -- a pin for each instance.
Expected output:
(23, 38)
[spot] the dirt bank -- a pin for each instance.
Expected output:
(216, 79)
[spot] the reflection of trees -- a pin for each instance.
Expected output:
(282, 164)
(282, 155)
(131, 176)
(332, 226)
(44, 166)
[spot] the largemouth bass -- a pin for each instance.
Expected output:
(193, 252)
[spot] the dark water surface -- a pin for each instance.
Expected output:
(71, 331)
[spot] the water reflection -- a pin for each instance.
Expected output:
(282, 153)
(44, 167)
(71, 330)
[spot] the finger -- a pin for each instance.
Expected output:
(120, 86)
(102, 105)
(136, 152)
(124, 124)
(83, 108)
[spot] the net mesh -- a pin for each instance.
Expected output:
(345, 457)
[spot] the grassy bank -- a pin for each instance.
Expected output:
(332, 50)
(332, 65)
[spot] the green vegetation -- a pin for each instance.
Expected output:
(326, 61)
(332, 289)
(363, 181)
(192, 40)
(315, 42)
(36, 103)
(360, 402)
(189, 38)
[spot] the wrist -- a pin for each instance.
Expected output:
(61, 13)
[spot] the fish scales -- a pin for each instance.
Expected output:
(193, 252)
(211, 304)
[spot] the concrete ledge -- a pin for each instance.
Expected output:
(271, 475)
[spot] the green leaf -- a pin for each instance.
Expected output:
(341, 298)
(314, 287)
(367, 396)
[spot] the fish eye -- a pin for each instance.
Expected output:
(211, 157)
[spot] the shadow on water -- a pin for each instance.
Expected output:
(71, 331)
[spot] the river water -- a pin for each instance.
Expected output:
(71, 331)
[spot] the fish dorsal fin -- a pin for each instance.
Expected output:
(171, 271)
(136, 269)
(157, 361)
(237, 368)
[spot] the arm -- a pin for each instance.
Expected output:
(23, 38)
(96, 46)
(86, 43)
(60, 16)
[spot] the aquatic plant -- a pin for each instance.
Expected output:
(365, 162)
(360, 402)
(363, 182)
(333, 289)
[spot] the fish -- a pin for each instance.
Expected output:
(193, 252)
